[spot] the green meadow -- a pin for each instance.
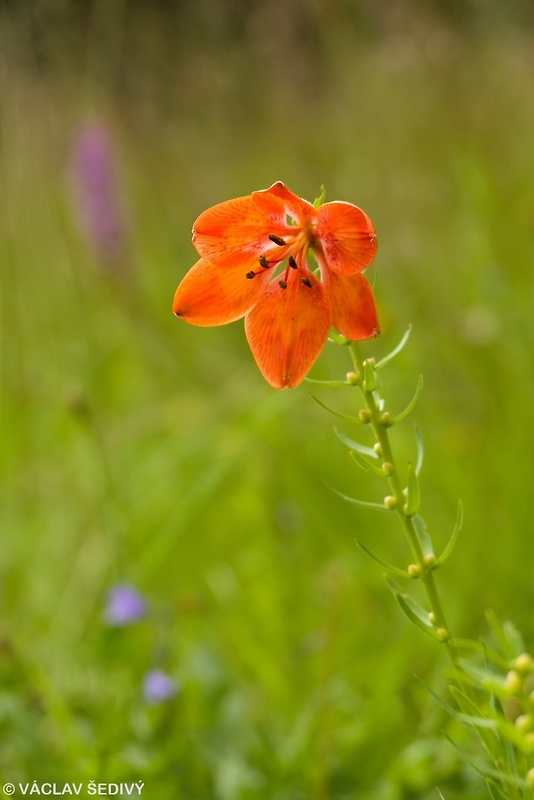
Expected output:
(139, 450)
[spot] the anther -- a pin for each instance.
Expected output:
(292, 263)
(263, 262)
(250, 275)
(276, 239)
(306, 282)
(282, 284)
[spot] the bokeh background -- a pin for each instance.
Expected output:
(138, 451)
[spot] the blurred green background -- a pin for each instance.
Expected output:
(136, 449)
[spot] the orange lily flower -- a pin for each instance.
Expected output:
(289, 313)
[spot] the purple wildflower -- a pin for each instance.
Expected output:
(124, 605)
(94, 174)
(158, 687)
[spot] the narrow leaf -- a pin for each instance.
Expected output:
(506, 635)
(514, 637)
(413, 611)
(320, 200)
(494, 791)
(352, 445)
(486, 679)
(336, 413)
(400, 573)
(329, 383)
(443, 703)
(471, 712)
(412, 493)
(369, 377)
(420, 451)
(395, 351)
(486, 771)
(423, 535)
(363, 503)
(411, 404)
(407, 605)
(337, 338)
(367, 465)
(482, 649)
(452, 541)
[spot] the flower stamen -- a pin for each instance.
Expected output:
(263, 262)
(282, 284)
(277, 240)
(306, 282)
(292, 263)
(250, 275)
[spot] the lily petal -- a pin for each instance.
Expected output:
(353, 306)
(288, 328)
(236, 233)
(297, 208)
(209, 295)
(347, 237)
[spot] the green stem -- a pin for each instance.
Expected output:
(380, 430)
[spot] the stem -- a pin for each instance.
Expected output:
(380, 430)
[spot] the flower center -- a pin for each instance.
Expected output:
(295, 251)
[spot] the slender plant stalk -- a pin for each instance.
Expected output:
(422, 568)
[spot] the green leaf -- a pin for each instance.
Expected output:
(412, 493)
(369, 377)
(494, 791)
(473, 716)
(487, 771)
(320, 200)
(395, 351)
(367, 465)
(467, 705)
(352, 445)
(363, 503)
(482, 649)
(417, 615)
(413, 611)
(329, 383)
(486, 679)
(411, 404)
(423, 535)
(452, 541)
(401, 573)
(348, 417)
(443, 703)
(506, 635)
(337, 338)
(420, 451)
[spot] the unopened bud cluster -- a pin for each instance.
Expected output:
(519, 682)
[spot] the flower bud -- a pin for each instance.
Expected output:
(414, 570)
(432, 618)
(513, 682)
(365, 415)
(430, 560)
(443, 634)
(386, 419)
(390, 501)
(530, 777)
(524, 663)
(529, 741)
(388, 468)
(524, 723)
(353, 378)
(377, 448)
